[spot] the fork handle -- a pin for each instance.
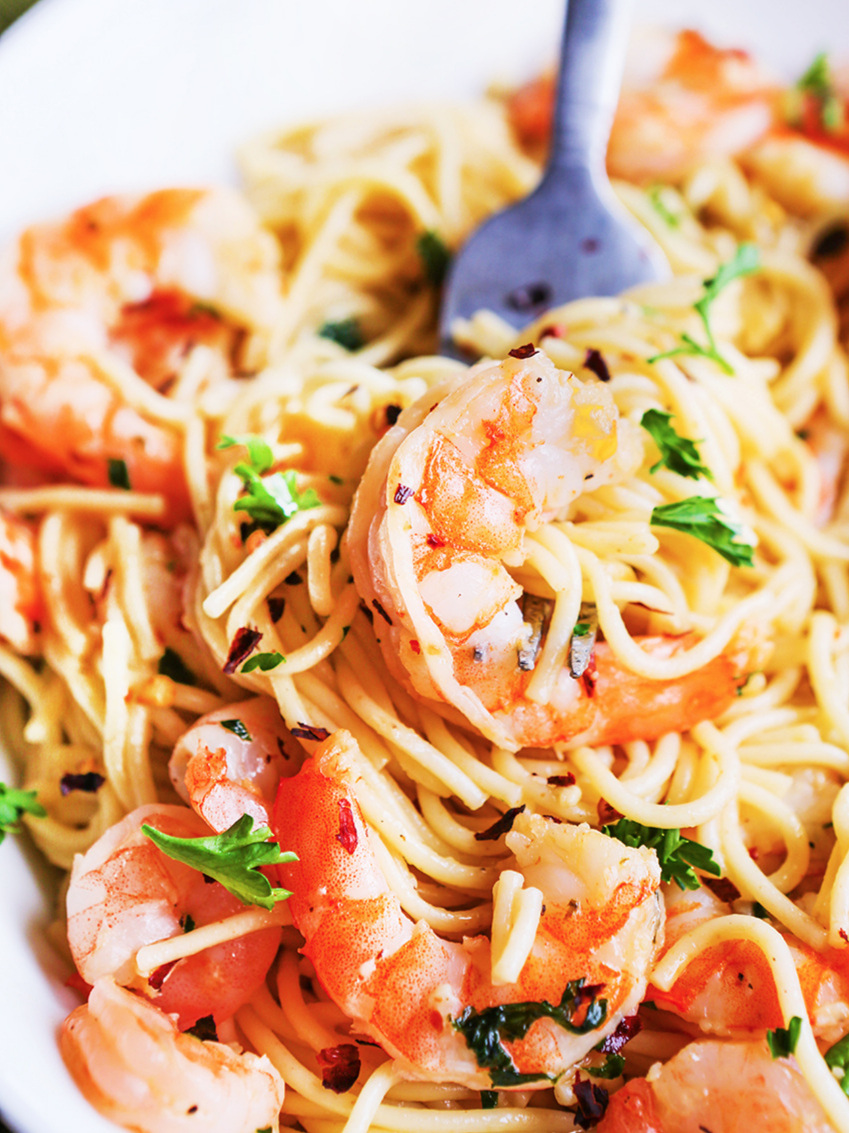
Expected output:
(595, 35)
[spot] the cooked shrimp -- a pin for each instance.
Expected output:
(729, 989)
(441, 514)
(406, 987)
(125, 893)
(723, 1087)
(128, 284)
(682, 101)
(21, 605)
(136, 1068)
(230, 761)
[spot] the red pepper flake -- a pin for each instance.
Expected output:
(381, 611)
(628, 1027)
(434, 540)
(502, 826)
(526, 351)
(157, 979)
(309, 732)
(243, 644)
(554, 330)
(276, 606)
(844, 935)
(340, 1067)
(606, 813)
(722, 887)
(566, 780)
(595, 362)
(347, 836)
(592, 1102)
(414, 645)
(402, 494)
(89, 781)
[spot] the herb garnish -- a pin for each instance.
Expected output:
(746, 259)
(434, 255)
(817, 82)
(346, 333)
(172, 665)
(837, 1058)
(679, 454)
(119, 474)
(782, 1041)
(655, 195)
(612, 1067)
(676, 855)
(485, 1030)
(238, 728)
(233, 858)
(263, 661)
(14, 803)
(707, 519)
(269, 500)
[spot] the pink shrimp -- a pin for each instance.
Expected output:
(408, 988)
(441, 514)
(682, 101)
(135, 1067)
(125, 893)
(720, 1087)
(230, 761)
(21, 602)
(729, 989)
(133, 283)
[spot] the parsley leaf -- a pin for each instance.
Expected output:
(119, 474)
(705, 518)
(656, 194)
(232, 858)
(837, 1058)
(485, 1030)
(817, 82)
(14, 803)
(347, 333)
(263, 661)
(489, 1099)
(678, 453)
(434, 255)
(612, 1067)
(677, 856)
(745, 260)
(269, 500)
(172, 665)
(782, 1041)
(237, 728)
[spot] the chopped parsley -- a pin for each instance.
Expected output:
(347, 333)
(782, 1041)
(746, 260)
(612, 1067)
(434, 255)
(656, 195)
(489, 1099)
(237, 728)
(705, 518)
(818, 84)
(172, 665)
(14, 804)
(484, 1031)
(232, 858)
(677, 856)
(119, 474)
(837, 1058)
(263, 661)
(269, 500)
(678, 454)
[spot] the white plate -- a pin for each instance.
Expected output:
(98, 96)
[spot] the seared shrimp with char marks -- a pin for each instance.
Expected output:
(135, 1067)
(125, 285)
(416, 993)
(125, 893)
(440, 517)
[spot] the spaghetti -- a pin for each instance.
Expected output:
(678, 615)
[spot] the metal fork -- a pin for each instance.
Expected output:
(570, 237)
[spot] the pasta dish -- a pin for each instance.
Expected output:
(434, 746)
